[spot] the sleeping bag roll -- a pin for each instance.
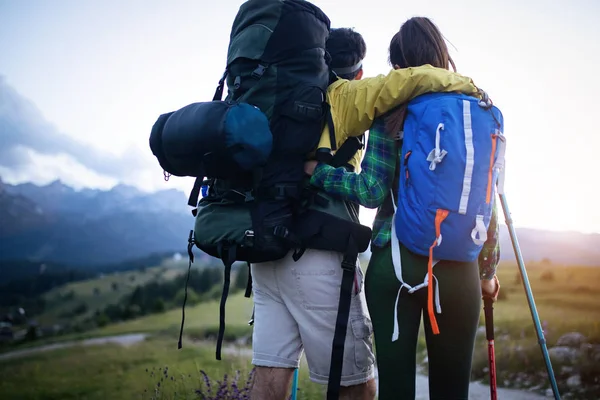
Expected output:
(213, 139)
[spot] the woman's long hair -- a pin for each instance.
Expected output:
(418, 42)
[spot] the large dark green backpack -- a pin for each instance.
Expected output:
(276, 62)
(248, 151)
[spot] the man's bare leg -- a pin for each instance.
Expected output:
(363, 391)
(271, 383)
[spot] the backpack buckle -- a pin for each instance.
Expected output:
(259, 71)
(281, 231)
(348, 265)
(249, 238)
(278, 192)
(248, 197)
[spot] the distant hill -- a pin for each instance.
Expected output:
(572, 248)
(57, 224)
(567, 248)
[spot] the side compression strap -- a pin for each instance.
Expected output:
(440, 216)
(341, 326)
(249, 283)
(346, 151)
(331, 127)
(195, 192)
(219, 91)
(228, 257)
(191, 257)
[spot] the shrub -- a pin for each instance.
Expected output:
(102, 320)
(518, 279)
(225, 389)
(547, 276)
(229, 388)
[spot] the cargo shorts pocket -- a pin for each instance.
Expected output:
(362, 330)
(314, 285)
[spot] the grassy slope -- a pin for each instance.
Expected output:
(113, 372)
(84, 292)
(205, 315)
(566, 303)
(102, 372)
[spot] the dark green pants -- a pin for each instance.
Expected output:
(450, 352)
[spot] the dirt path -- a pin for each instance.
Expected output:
(123, 340)
(477, 390)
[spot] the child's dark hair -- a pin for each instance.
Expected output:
(347, 49)
(418, 42)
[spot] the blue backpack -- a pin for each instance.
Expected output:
(451, 161)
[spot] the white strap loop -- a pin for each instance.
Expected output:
(479, 233)
(436, 155)
(397, 262)
(470, 158)
(501, 161)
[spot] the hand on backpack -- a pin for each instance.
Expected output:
(309, 167)
(490, 288)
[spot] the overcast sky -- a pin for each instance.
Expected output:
(82, 82)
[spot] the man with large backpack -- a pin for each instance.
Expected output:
(247, 153)
(296, 302)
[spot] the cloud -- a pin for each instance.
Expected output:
(26, 135)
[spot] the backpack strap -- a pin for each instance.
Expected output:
(249, 283)
(331, 126)
(191, 260)
(343, 315)
(219, 91)
(347, 150)
(227, 253)
(195, 192)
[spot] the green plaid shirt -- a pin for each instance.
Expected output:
(372, 187)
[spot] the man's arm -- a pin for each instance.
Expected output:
(371, 186)
(355, 104)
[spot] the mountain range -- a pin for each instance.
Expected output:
(56, 223)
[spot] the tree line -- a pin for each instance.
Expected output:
(159, 296)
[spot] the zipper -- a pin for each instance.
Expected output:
(406, 172)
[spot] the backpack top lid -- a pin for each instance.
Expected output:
(270, 30)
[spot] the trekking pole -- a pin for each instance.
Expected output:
(295, 385)
(530, 300)
(488, 309)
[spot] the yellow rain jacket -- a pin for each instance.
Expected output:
(355, 104)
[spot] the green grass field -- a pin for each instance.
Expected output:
(114, 372)
(566, 301)
(98, 293)
(202, 316)
(565, 297)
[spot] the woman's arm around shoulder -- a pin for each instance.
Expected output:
(355, 104)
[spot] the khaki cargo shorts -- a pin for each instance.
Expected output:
(295, 311)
